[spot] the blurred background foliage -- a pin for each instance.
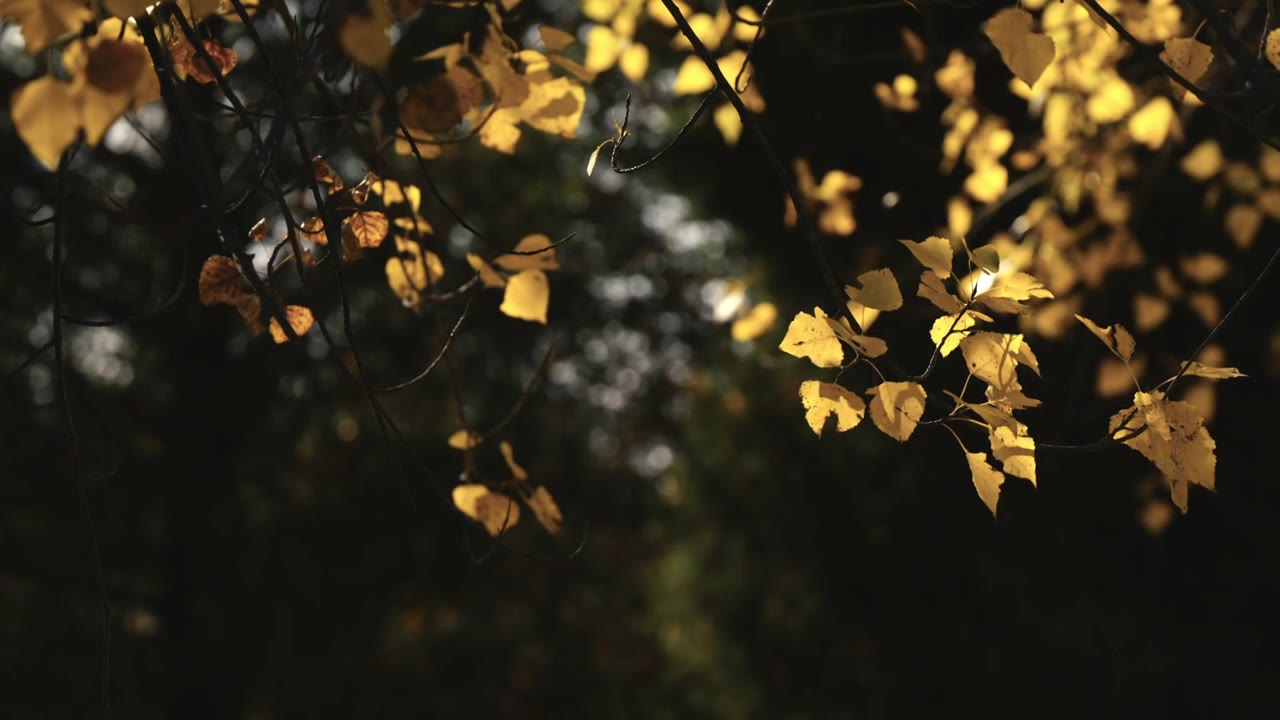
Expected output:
(718, 560)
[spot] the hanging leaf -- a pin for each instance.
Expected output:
(527, 296)
(300, 319)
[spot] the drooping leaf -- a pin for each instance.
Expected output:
(1115, 337)
(1175, 441)
(812, 337)
(545, 510)
(527, 296)
(986, 479)
(879, 290)
(934, 253)
(300, 319)
(822, 400)
(495, 511)
(896, 408)
(1027, 53)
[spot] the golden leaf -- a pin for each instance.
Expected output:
(1204, 268)
(1152, 124)
(812, 337)
(1273, 48)
(987, 258)
(367, 39)
(993, 358)
(369, 227)
(554, 38)
(527, 296)
(488, 276)
(545, 510)
(932, 289)
(1027, 53)
(634, 62)
(1213, 373)
(879, 290)
(1015, 450)
(1204, 161)
(603, 47)
(1010, 292)
(1175, 441)
(544, 257)
(220, 281)
(755, 323)
(693, 77)
(300, 319)
(517, 471)
(822, 400)
(1115, 337)
(934, 253)
(412, 270)
(497, 512)
(463, 440)
(1243, 222)
(44, 21)
(554, 105)
(949, 330)
(44, 114)
(896, 408)
(1189, 57)
(986, 479)
(1110, 102)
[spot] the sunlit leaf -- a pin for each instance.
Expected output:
(1027, 53)
(934, 253)
(527, 296)
(554, 38)
(986, 479)
(369, 227)
(896, 408)
(463, 440)
(821, 400)
(220, 281)
(1204, 161)
(544, 257)
(42, 116)
(545, 510)
(1015, 450)
(1115, 337)
(1175, 441)
(488, 277)
(495, 511)
(1189, 57)
(44, 21)
(879, 290)
(810, 336)
(755, 323)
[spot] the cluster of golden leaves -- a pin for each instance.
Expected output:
(496, 510)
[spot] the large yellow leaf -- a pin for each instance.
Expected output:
(1015, 450)
(879, 290)
(1175, 441)
(1027, 53)
(46, 115)
(896, 408)
(497, 512)
(554, 105)
(822, 400)
(1189, 57)
(993, 358)
(986, 479)
(810, 336)
(527, 296)
(43, 21)
(934, 253)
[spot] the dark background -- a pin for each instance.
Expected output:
(263, 559)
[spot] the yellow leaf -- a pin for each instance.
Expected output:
(1273, 48)
(544, 260)
(879, 290)
(497, 512)
(1015, 450)
(822, 400)
(545, 510)
(1115, 337)
(986, 479)
(755, 323)
(300, 319)
(988, 181)
(1204, 268)
(220, 281)
(1213, 373)
(634, 62)
(500, 131)
(934, 253)
(43, 21)
(1204, 161)
(488, 276)
(367, 40)
(1189, 57)
(949, 330)
(993, 358)
(729, 123)
(1010, 291)
(1242, 223)
(369, 228)
(527, 296)
(412, 270)
(1149, 312)
(1175, 441)
(1151, 125)
(517, 471)
(810, 336)
(1027, 53)
(603, 48)
(463, 440)
(896, 408)
(862, 314)
(553, 106)
(693, 77)
(554, 38)
(932, 289)
(45, 114)
(987, 258)
(1110, 102)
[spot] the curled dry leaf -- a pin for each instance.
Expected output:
(495, 511)
(220, 281)
(300, 319)
(821, 400)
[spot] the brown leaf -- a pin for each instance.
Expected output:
(220, 281)
(300, 319)
(369, 227)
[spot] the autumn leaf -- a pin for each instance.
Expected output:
(369, 227)
(993, 358)
(43, 21)
(879, 290)
(300, 319)
(1115, 337)
(1213, 373)
(948, 330)
(545, 510)
(488, 276)
(220, 281)
(41, 117)
(822, 400)
(1027, 53)
(896, 408)
(1189, 57)
(527, 296)
(986, 479)
(1175, 441)
(554, 38)
(495, 511)
(1010, 293)
(755, 323)
(544, 257)
(1015, 450)
(367, 39)
(932, 289)
(463, 440)
(412, 270)
(517, 471)
(934, 253)
(810, 336)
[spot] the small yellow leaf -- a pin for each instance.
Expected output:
(1027, 53)
(810, 336)
(949, 330)
(497, 512)
(693, 77)
(220, 281)
(896, 408)
(1204, 161)
(527, 296)
(634, 62)
(879, 290)
(755, 323)
(934, 253)
(300, 319)
(45, 116)
(1273, 48)
(1110, 102)
(1204, 268)
(545, 510)
(463, 440)
(1189, 57)
(822, 400)
(488, 276)
(993, 358)
(517, 471)
(1243, 222)
(1151, 125)
(1115, 337)
(554, 38)
(986, 479)
(1015, 450)
(544, 257)
(603, 47)
(987, 258)
(1213, 373)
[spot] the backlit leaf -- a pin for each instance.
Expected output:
(369, 227)
(1015, 450)
(932, 289)
(1189, 57)
(821, 400)
(1175, 441)
(527, 296)
(497, 512)
(545, 510)
(934, 253)
(544, 260)
(755, 323)
(896, 408)
(1115, 337)
(1027, 53)
(44, 21)
(488, 276)
(1213, 373)
(879, 290)
(810, 336)
(986, 479)
(220, 281)
(300, 319)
